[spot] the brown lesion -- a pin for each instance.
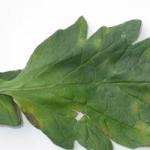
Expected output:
(32, 119)
(18, 114)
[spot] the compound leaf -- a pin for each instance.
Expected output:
(105, 77)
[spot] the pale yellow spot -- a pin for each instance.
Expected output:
(96, 43)
(143, 132)
(146, 98)
(134, 107)
(142, 126)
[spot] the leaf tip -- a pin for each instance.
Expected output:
(136, 22)
(81, 20)
(132, 28)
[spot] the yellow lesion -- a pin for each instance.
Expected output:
(32, 119)
(146, 98)
(135, 107)
(96, 42)
(143, 131)
(143, 127)
(27, 107)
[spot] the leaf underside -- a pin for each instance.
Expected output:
(105, 77)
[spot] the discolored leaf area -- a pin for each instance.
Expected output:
(9, 112)
(105, 77)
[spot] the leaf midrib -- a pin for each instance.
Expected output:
(96, 83)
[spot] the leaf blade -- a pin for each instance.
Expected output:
(81, 79)
(9, 112)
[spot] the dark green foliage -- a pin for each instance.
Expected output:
(105, 77)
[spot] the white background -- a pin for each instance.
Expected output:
(25, 23)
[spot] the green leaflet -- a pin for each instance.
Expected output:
(71, 40)
(105, 77)
(90, 136)
(9, 112)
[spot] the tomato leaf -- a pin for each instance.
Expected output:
(9, 75)
(9, 112)
(90, 136)
(105, 77)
